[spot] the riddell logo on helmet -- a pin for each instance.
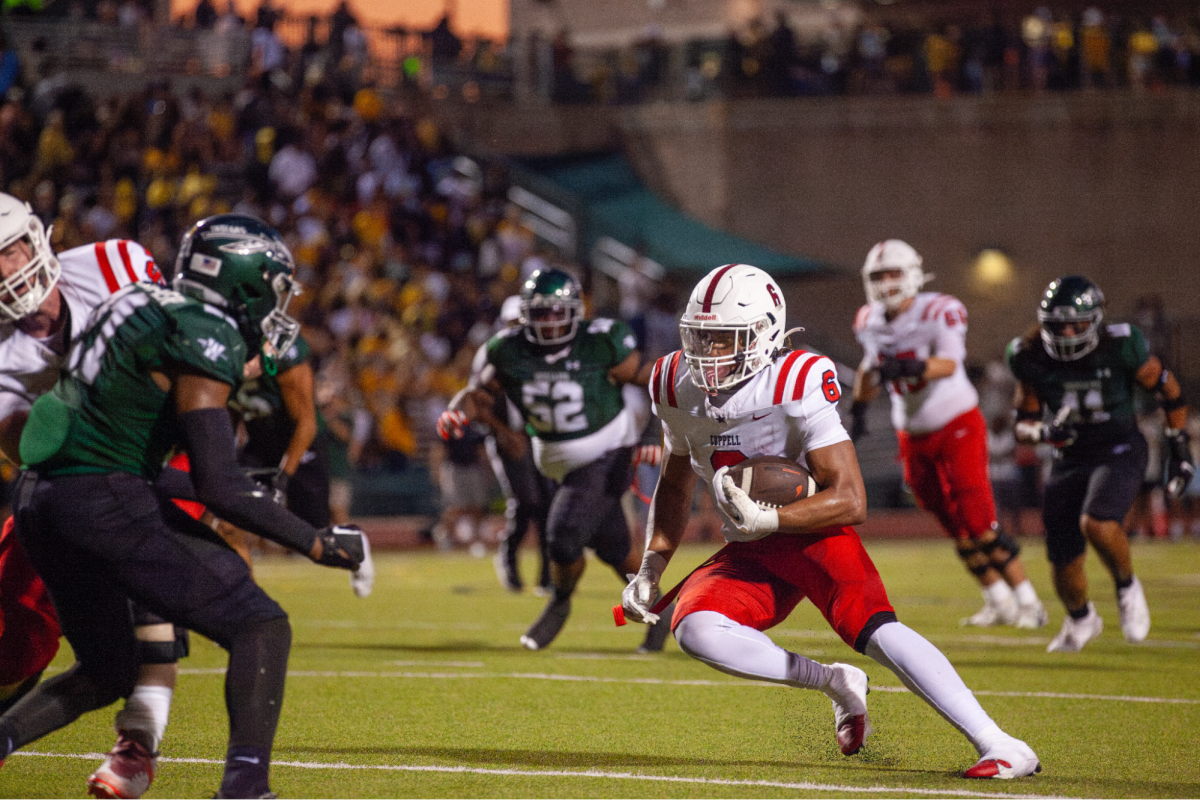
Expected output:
(704, 317)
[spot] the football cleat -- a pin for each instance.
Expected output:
(506, 571)
(848, 690)
(1006, 612)
(1135, 614)
(542, 632)
(1033, 615)
(362, 580)
(1076, 633)
(1008, 758)
(127, 772)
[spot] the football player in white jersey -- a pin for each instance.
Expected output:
(735, 392)
(914, 342)
(45, 301)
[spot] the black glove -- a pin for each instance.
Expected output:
(1059, 432)
(274, 480)
(891, 369)
(342, 546)
(858, 420)
(1179, 463)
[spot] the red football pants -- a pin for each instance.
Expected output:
(948, 473)
(28, 623)
(757, 584)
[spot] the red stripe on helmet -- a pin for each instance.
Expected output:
(712, 286)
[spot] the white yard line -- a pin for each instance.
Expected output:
(839, 789)
(544, 676)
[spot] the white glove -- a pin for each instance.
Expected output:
(639, 596)
(751, 521)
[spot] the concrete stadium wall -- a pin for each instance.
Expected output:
(1104, 184)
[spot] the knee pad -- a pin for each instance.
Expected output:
(161, 643)
(975, 559)
(1001, 541)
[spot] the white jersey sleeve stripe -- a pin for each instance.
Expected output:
(110, 277)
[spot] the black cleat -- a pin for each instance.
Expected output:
(542, 632)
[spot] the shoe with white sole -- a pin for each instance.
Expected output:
(127, 772)
(1005, 759)
(1032, 616)
(546, 627)
(362, 580)
(848, 690)
(1005, 612)
(1076, 633)
(1135, 614)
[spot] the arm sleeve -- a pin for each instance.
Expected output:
(224, 488)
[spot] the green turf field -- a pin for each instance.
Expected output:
(422, 690)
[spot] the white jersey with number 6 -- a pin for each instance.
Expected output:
(787, 409)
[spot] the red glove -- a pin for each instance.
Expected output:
(452, 424)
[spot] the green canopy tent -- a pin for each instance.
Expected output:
(607, 199)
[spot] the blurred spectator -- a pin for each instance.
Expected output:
(205, 15)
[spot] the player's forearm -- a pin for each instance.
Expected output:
(830, 507)
(937, 367)
(670, 508)
(223, 487)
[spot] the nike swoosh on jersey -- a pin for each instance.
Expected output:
(756, 417)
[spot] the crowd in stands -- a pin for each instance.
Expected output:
(407, 248)
(1045, 50)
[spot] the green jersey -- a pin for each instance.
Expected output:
(106, 413)
(564, 392)
(1100, 388)
(259, 402)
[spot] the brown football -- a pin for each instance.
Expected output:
(773, 481)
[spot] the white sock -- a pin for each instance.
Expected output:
(929, 675)
(745, 652)
(1026, 594)
(146, 712)
(998, 593)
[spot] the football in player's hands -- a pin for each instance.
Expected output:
(773, 481)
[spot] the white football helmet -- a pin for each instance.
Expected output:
(732, 327)
(888, 255)
(23, 291)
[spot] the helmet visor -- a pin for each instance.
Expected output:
(1068, 338)
(280, 330)
(716, 356)
(551, 321)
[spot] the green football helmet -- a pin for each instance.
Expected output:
(1069, 316)
(240, 264)
(551, 307)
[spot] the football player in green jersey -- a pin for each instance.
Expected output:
(566, 374)
(1076, 381)
(152, 373)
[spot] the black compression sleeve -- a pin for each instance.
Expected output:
(174, 483)
(224, 488)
